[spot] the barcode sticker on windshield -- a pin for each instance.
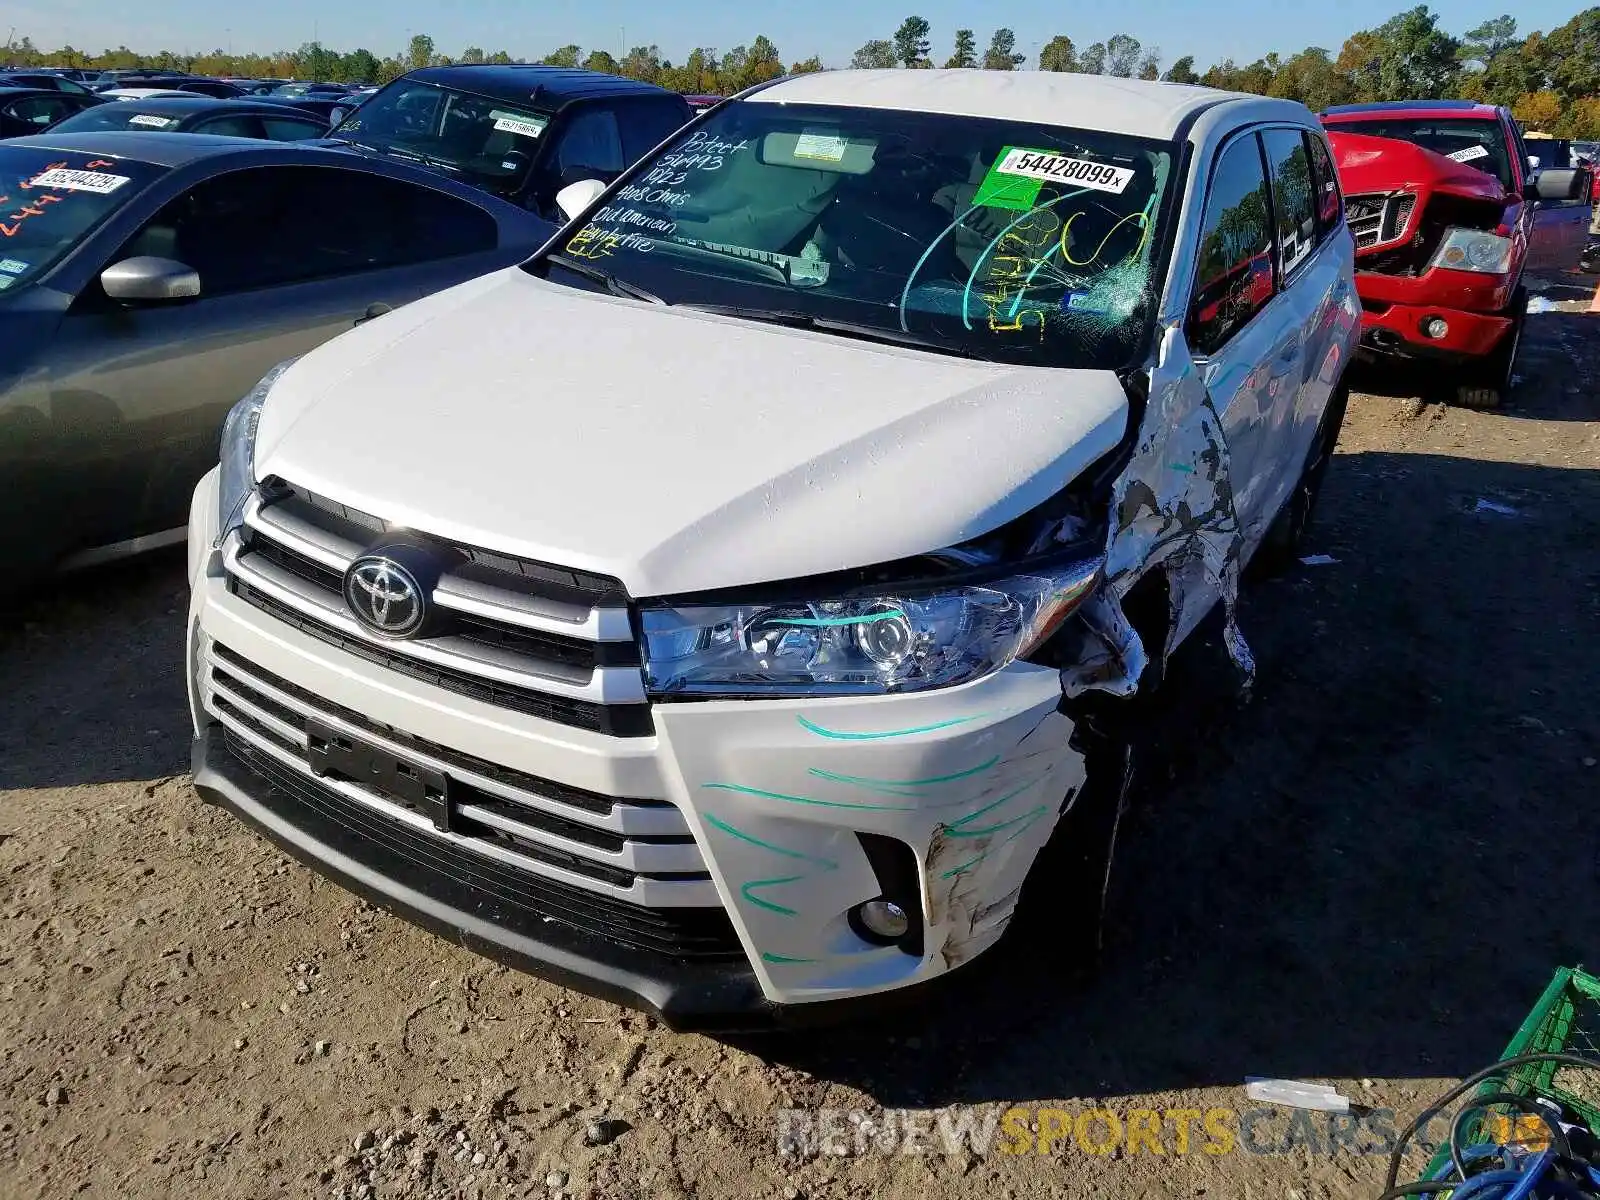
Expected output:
(1058, 168)
(522, 126)
(1470, 154)
(152, 121)
(80, 181)
(823, 147)
(13, 266)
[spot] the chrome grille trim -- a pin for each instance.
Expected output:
(543, 614)
(602, 685)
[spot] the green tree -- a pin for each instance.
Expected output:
(874, 55)
(966, 53)
(567, 56)
(473, 55)
(1182, 71)
(1002, 52)
(1487, 42)
(763, 63)
(911, 43)
(1359, 60)
(599, 60)
(501, 58)
(1150, 65)
(1573, 52)
(807, 66)
(642, 62)
(1093, 60)
(359, 66)
(1122, 55)
(420, 53)
(1059, 54)
(1417, 59)
(1311, 78)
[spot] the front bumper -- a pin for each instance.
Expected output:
(1472, 306)
(789, 806)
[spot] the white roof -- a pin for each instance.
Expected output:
(1097, 102)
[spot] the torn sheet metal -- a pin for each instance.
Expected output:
(1172, 509)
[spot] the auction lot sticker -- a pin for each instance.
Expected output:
(1018, 175)
(80, 181)
(511, 123)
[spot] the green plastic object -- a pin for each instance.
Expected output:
(1566, 1019)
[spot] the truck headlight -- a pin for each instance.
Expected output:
(237, 475)
(893, 641)
(1474, 250)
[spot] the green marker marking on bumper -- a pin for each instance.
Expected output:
(839, 735)
(898, 786)
(783, 958)
(807, 800)
(782, 910)
(718, 823)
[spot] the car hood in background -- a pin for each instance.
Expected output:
(674, 450)
(1376, 164)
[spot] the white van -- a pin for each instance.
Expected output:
(703, 613)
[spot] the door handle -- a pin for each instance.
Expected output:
(373, 312)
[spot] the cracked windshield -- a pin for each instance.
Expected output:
(990, 239)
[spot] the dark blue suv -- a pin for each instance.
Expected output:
(521, 132)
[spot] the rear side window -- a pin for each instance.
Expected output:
(1233, 270)
(240, 127)
(592, 143)
(646, 124)
(41, 111)
(272, 226)
(280, 130)
(1330, 204)
(1293, 197)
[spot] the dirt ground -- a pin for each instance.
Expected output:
(1364, 876)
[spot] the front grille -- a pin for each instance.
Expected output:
(607, 859)
(620, 720)
(468, 882)
(1376, 220)
(527, 636)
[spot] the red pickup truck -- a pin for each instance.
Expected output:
(1447, 212)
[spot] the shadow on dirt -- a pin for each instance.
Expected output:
(1370, 870)
(1554, 376)
(92, 671)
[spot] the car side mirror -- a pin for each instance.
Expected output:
(1558, 184)
(149, 278)
(1533, 162)
(576, 197)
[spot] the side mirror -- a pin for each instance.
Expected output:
(149, 278)
(1533, 162)
(576, 197)
(1559, 185)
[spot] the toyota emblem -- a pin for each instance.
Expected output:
(384, 596)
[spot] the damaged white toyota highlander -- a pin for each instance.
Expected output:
(721, 611)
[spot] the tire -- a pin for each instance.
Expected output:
(1281, 546)
(1488, 384)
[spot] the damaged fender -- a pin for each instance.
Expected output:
(1172, 509)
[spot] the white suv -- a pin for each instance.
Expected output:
(706, 613)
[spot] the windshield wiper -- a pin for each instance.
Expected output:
(617, 287)
(803, 320)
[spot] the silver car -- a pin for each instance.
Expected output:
(147, 281)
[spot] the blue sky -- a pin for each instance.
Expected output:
(1243, 30)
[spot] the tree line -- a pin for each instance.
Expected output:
(1551, 80)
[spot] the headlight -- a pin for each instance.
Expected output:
(891, 642)
(1473, 250)
(237, 475)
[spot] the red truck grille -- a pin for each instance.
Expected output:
(1379, 219)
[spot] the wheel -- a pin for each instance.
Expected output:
(1488, 384)
(1281, 546)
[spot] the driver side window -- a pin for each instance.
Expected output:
(591, 143)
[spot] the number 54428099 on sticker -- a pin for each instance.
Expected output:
(1058, 168)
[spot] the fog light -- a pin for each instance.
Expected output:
(883, 920)
(1435, 327)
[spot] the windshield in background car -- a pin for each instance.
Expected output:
(50, 200)
(991, 239)
(1476, 142)
(127, 115)
(490, 141)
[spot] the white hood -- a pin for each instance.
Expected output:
(674, 450)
